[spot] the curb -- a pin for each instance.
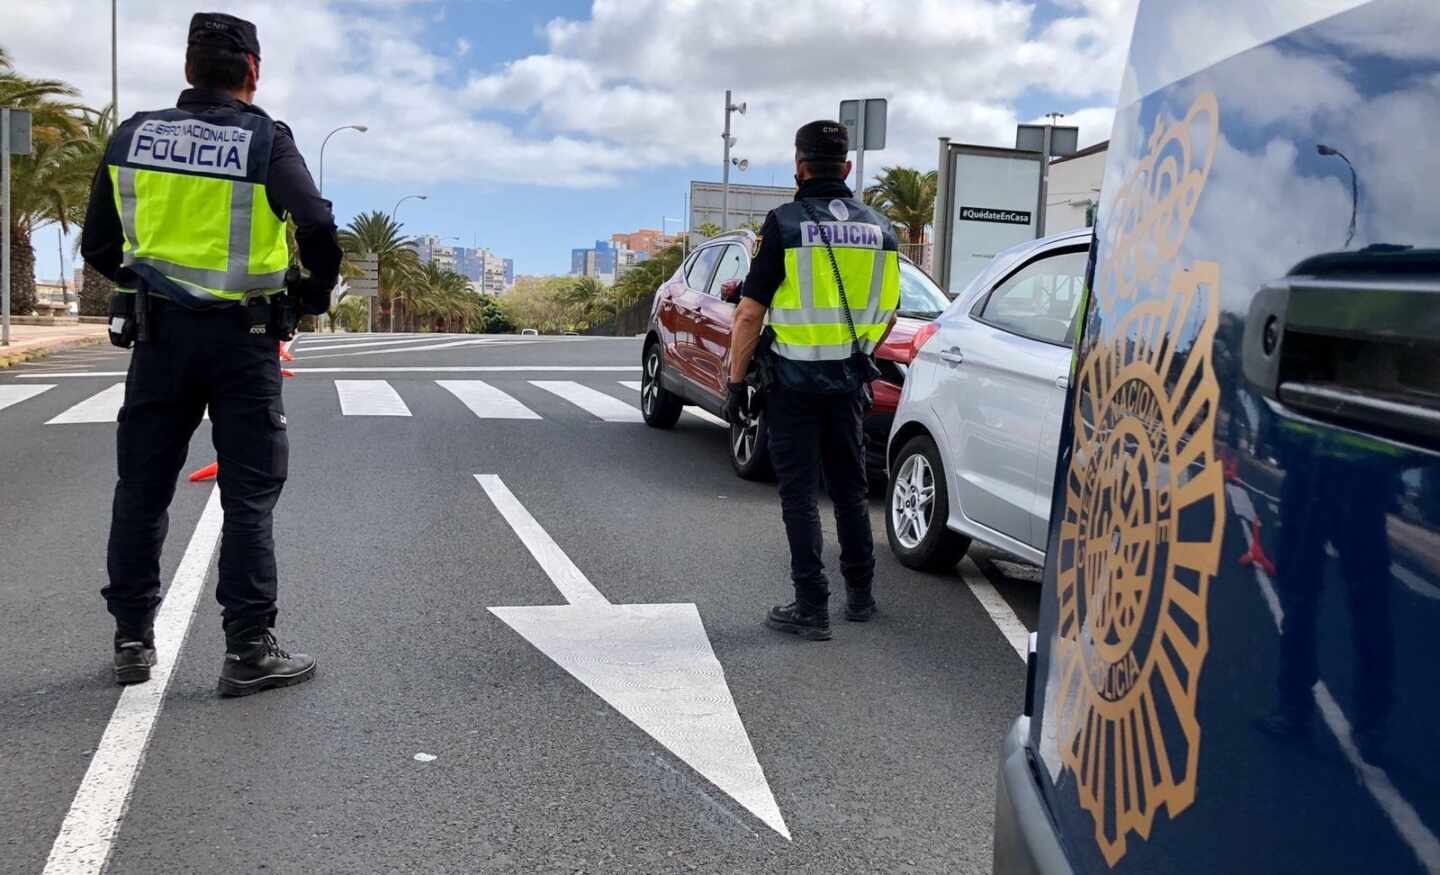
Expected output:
(26, 355)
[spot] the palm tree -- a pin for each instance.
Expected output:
(48, 185)
(443, 296)
(96, 289)
(582, 299)
(709, 229)
(376, 233)
(907, 198)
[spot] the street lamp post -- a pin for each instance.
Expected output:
(361, 128)
(725, 171)
(403, 200)
(392, 221)
(1331, 152)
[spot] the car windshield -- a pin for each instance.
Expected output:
(920, 298)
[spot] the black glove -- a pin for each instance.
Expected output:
(311, 296)
(736, 396)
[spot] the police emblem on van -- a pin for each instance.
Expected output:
(1140, 533)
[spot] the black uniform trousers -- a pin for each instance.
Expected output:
(811, 432)
(197, 359)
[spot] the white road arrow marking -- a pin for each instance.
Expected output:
(652, 663)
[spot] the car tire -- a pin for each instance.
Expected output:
(659, 407)
(750, 448)
(916, 527)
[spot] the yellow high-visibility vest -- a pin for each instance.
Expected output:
(190, 191)
(806, 313)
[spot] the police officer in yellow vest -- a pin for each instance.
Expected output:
(187, 216)
(822, 293)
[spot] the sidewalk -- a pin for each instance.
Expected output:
(37, 341)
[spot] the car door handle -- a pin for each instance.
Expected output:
(1062, 382)
(953, 355)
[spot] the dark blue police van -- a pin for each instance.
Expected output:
(1232, 671)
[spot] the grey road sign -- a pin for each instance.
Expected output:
(871, 135)
(19, 131)
(365, 284)
(1064, 140)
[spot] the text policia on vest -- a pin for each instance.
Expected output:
(191, 145)
(861, 235)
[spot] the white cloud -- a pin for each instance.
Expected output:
(637, 84)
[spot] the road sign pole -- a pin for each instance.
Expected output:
(4, 227)
(860, 156)
(1044, 192)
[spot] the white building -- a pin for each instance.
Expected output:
(748, 204)
(1075, 189)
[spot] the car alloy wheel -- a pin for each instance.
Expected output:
(744, 436)
(912, 502)
(650, 382)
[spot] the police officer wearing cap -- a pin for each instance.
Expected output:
(187, 216)
(820, 297)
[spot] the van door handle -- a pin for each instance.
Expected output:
(1310, 348)
(1062, 382)
(953, 355)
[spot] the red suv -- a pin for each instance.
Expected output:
(687, 349)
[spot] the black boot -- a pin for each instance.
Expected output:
(812, 624)
(133, 661)
(859, 604)
(255, 662)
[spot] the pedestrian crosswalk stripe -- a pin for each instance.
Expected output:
(15, 394)
(696, 412)
(485, 401)
(606, 407)
(369, 398)
(316, 345)
(101, 407)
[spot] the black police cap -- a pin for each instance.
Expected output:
(225, 32)
(822, 140)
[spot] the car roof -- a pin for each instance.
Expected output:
(1008, 259)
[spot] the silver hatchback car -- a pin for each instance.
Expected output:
(972, 450)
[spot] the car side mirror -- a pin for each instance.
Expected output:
(730, 291)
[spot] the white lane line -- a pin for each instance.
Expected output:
(103, 406)
(571, 581)
(310, 347)
(697, 412)
(46, 376)
(999, 610)
(1417, 584)
(1402, 815)
(412, 369)
(88, 832)
(403, 349)
(485, 401)
(593, 401)
(14, 394)
(369, 398)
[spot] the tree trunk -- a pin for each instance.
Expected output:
(95, 292)
(22, 272)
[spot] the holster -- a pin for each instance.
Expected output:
(283, 317)
(123, 323)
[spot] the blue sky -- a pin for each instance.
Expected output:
(536, 127)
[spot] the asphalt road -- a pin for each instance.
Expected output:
(436, 737)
